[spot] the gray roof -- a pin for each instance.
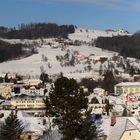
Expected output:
(129, 125)
(122, 124)
(128, 84)
(5, 103)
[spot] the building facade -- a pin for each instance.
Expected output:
(32, 91)
(133, 134)
(6, 90)
(99, 91)
(127, 88)
(27, 102)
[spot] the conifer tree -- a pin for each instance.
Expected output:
(87, 130)
(109, 81)
(66, 100)
(44, 77)
(124, 112)
(12, 128)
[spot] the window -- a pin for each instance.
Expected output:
(29, 137)
(133, 112)
(131, 90)
(137, 89)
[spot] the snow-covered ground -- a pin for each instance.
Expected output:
(89, 34)
(31, 65)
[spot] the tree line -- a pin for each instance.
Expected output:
(11, 51)
(37, 30)
(107, 83)
(127, 46)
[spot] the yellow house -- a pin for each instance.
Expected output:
(131, 135)
(32, 82)
(119, 128)
(123, 128)
(127, 88)
(5, 90)
(28, 136)
(131, 132)
(28, 102)
(94, 57)
(80, 57)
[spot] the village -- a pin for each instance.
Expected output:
(69, 70)
(115, 113)
(109, 81)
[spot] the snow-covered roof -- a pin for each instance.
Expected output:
(2, 86)
(23, 96)
(34, 124)
(2, 75)
(129, 84)
(129, 125)
(98, 89)
(31, 124)
(118, 108)
(32, 81)
(97, 111)
(6, 103)
(122, 124)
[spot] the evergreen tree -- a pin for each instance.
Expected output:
(66, 100)
(94, 100)
(109, 81)
(12, 128)
(44, 77)
(87, 130)
(124, 112)
(101, 70)
(108, 106)
(6, 79)
(132, 71)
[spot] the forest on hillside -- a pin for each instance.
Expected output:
(12, 51)
(36, 30)
(127, 46)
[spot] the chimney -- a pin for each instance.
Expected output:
(113, 120)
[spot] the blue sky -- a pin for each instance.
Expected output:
(96, 14)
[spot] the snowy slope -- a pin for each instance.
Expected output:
(89, 34)
(31, 65)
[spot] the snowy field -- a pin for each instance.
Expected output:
(31, 65)
(89, 34)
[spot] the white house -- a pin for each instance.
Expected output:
(32, 91)
(99, 91)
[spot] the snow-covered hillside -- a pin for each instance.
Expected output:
(34, 64)
(31, 65)
(90, 34)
